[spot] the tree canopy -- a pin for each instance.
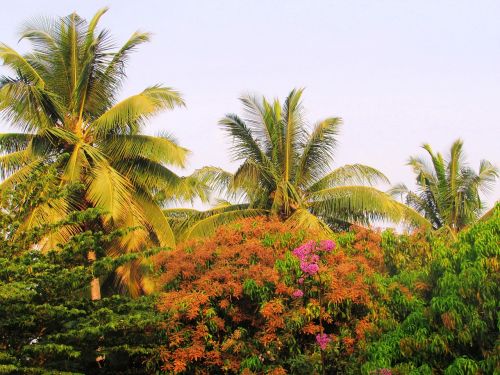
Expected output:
(63, 96)
(287, 171)
(448, 190)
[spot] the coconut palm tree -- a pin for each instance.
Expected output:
(448, 190)
(63, 96)
(286, 171)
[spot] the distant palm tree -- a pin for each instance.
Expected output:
(448, 191)
(286, 171)
(63, 97)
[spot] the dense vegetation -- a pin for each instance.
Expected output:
(47, 320)
(63, 97)
(244, 300)
(98, 277)
(449, 320)
(259, 297)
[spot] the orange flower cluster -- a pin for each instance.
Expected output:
(230, 305)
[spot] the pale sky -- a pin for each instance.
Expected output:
(400, 73)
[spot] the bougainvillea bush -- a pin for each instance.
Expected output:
(259, 297)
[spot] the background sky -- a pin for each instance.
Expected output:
(399, 73)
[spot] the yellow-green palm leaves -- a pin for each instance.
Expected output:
(286, 171)
(63, 96)
(448, 190)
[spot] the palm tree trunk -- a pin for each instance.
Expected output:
(95, 286)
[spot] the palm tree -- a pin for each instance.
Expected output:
(286, 171)
(448, 191)
(63, 96)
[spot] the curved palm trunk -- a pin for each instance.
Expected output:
(95, 286)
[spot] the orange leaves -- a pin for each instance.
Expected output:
(230, 304)
(183, 304)
(311, 329)
(176, 339)
(267, 338)
(363, 327)
(421, 286)
(224, 304)
(448, 320)
(272, 309)
(277, 371)
(347, 276)
(211, 313)
(178, 367)
(272, 312)
(349, 344)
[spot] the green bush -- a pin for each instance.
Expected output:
(47, 322)
(449, 323)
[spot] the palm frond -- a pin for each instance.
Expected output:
(27, 106)
(187, 189)
(19, 175)
(261, 119)
(10, 163)
(160, 149)
(360, 204)
(398, 191)
(318, 151)
(245, 146)
(109, 190)
(293, 127)
(12, 59)
(148, 174)
(349, 174)
(14, 142)
(215, 218)
(303, 219)
(488, 174)
(77, 161)
(155, 218)
(126, 116)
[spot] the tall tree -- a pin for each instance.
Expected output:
(63, 96)
(286, 171)
(448, 190)
(48, 325)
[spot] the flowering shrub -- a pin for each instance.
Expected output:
(259, 297)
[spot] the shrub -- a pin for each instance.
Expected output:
(243, 302)
(450, 324)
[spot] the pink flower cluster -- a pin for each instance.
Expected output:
(298, 294)
(327, 245)
(323, 340)
(308, 255)
(309, 268)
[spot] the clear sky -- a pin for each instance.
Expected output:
(400, 73)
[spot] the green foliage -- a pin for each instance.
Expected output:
(47, 322)
(449, 322)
